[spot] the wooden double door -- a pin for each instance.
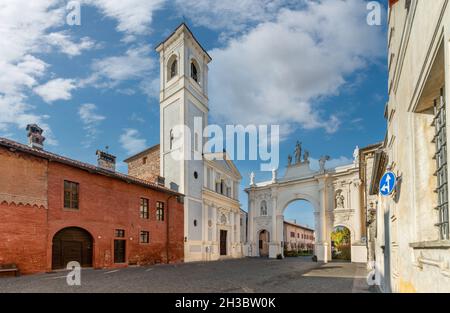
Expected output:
(72, 244)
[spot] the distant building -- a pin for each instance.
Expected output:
(55, 210)
(298, 237)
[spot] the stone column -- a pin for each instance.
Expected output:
(322, 247)
(206, 248)
(317, 236)
(214, 223)
(205, 222)
(232, 239)
(237, 223)
(274, 247)
(280, 231)
(250, 226)
(356, 205)
(274, 234)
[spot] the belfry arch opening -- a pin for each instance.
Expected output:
(298, 228)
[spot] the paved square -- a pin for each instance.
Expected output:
(243, 275)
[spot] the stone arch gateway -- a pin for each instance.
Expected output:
(335, 195)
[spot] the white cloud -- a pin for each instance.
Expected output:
(24, 34)
(91, 120)
(23, 24)
(135, 64)
(56, 89)
(14, 110)
(279, 70)
(132, 142)
(63, 41)
(232, 15)
(150, 86)
(132, 16)
(136, 118)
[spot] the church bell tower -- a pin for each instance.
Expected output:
(184, 105)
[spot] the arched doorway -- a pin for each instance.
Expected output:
(264, 240)
(72, 244)
(298, 228)
(341, 245)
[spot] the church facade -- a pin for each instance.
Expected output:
(209, 181)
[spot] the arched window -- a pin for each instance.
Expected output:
(172, 67)
(194, 72)
(263, 208)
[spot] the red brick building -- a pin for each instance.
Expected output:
(54, 210)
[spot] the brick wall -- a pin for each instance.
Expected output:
(105, 204)
(23, 210)
(148, 169)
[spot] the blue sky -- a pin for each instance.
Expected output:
(315, 68)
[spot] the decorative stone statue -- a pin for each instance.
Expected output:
(274, 175)
(306, 156)
(252, 179)
(339, 200)
(356, 156)
(298, 152)
(289, 160)
(322, 162)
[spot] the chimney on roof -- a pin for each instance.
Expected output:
(106, 161)
(35, 138)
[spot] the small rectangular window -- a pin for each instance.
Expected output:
(119, 233)
(71, 191)
(144, 237)
(144, 160)
(160, 211)
(144, 208)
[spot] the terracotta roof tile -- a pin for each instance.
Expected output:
(81, 165)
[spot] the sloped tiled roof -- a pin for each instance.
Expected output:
(16, 146)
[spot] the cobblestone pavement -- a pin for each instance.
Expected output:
(240, 276)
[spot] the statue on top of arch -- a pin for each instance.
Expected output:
(298, 152)
(297, 159)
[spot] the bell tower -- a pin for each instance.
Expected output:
(183, 116)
